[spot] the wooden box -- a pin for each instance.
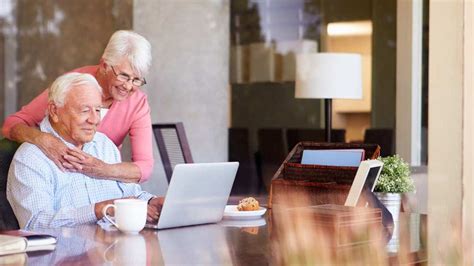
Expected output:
(342, 225)
(296, 184)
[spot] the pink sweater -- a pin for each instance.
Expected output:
(131, 116)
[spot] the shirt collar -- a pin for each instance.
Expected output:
(45, 126)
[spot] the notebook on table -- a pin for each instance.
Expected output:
(16, 241)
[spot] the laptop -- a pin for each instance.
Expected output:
(197, 194)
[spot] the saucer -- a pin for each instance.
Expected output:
(231, 212)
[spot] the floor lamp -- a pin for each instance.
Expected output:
(328, 76)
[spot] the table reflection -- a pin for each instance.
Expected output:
(410, 235)
(75, 245)
(127, 250)
(251, 242)
(394, 243)
(204, 244)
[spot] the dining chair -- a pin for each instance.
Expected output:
(384, 137)
(295, 135)
(7, 217)
(173, 146)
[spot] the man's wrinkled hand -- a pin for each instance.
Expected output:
(154, 209)
(81, 162)
(99, 206)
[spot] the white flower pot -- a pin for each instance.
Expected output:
(392, 202)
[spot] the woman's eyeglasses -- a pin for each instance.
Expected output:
(125, 78)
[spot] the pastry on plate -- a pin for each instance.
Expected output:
(248, 204)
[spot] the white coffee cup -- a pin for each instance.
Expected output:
(130, 215)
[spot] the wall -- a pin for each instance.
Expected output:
(468, 176)
(409, 80)
(384, 63)
(468, 173)
(450, 182)
(9, 57)
(346, 10)
(58, 36)
(354, 115)
(188, 80)
(2, 75)
(271, 105)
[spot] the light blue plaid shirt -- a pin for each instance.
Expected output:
(42, 196)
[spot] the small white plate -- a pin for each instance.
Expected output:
(231, 212)
(244, 223)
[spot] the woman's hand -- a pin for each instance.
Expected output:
(78, 161)
(53, 148)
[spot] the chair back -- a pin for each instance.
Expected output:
(7, 217)
(384, 137)
(172, 145)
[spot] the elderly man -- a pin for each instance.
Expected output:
(40, 193)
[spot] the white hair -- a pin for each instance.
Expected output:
(64, 83)
(130, 45)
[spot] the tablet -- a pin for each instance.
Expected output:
(336, 157)
(365, 179)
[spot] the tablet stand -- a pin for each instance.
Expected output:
(374, 202)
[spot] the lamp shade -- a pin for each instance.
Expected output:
(328, 76)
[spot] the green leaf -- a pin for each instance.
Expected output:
(395, 176)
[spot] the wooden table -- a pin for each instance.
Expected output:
(254, 242)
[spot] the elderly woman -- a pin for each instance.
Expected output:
(125, 111)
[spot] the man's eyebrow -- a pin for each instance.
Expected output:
(89, 106)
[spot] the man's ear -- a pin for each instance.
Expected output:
(53, 112)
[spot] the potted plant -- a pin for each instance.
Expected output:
(394, 180)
